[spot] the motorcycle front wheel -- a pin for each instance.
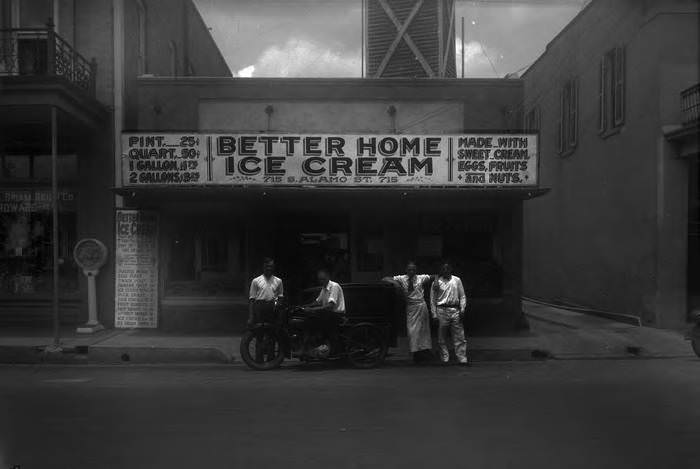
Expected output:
(695, 340)
(365, 346)
(262, 350)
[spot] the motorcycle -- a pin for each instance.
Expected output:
(289, 333)
(694, 334)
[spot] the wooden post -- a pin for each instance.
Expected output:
(463, 47)
(54, 222)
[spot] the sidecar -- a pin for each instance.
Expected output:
(379, 303)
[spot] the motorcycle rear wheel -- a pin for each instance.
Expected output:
(262, 350)
(365, 346)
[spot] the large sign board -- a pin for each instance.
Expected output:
(469, 160)
(136, 255)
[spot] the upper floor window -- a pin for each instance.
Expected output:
(568, 119)
(36, 168)
(533, 120)
(611, 92)
(141, 37)
(172, 48)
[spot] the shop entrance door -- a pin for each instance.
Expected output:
(304, 244)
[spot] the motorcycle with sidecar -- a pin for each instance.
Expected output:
(369, 328)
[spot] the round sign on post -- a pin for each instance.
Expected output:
(90, 254)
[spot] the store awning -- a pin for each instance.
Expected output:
(193, 193)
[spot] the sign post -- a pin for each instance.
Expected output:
(90, 255)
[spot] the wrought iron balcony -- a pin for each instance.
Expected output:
(690, 106)
(42, 52)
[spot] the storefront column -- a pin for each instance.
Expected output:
(512, 240)
(54, 225)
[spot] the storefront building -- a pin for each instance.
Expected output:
(67, 78)
(355, 175)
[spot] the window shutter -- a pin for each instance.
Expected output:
(602, 105)
(562, 120)
(619, 87)
(573, 113)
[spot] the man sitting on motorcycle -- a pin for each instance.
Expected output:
(329, 308)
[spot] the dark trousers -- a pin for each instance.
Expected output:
(263, 311)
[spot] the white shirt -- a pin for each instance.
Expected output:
(265, 289)
(415, 296)
(448, 293)
(332, 294)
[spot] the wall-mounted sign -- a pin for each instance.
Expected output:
(470, 160)
(32, 200)
(136, 257)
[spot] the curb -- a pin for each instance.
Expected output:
(617, 317)
(111, 355)
(104, 355)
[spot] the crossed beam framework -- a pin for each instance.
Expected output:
(402, 35)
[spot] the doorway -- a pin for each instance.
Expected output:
(304, 244)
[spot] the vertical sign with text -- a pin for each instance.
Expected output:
(136, 286)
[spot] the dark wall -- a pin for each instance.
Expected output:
(168, 23)
(173, 104)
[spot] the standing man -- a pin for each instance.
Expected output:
(265, 290)
(448, 303)
(417, 316)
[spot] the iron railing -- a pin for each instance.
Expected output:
(42, 52)
(690, 105)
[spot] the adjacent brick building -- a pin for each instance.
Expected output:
(615, 100)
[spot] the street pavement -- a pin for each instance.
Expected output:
(611, 413)
(554, 333)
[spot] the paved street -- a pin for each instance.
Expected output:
(576, 414)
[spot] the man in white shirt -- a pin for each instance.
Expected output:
(448, 303)
(329, 307)
(265, 290)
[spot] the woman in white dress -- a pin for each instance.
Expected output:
(417, 315)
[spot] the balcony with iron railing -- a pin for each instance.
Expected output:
(40, 52)
(690, 106)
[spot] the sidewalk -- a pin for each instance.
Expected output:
(554, 334)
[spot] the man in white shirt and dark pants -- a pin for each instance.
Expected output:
(448, 303)
(329, 308)
(265, 290)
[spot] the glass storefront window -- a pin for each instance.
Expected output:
(204, 259)
(38, 168)
(25, 243)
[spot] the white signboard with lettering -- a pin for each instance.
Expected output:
(136, 255)
(470, 160)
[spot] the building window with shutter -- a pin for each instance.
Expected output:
(568, 118)
(611, 92)
(533, 118)
(172, 49)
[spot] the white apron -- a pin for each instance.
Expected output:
(417, 314)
